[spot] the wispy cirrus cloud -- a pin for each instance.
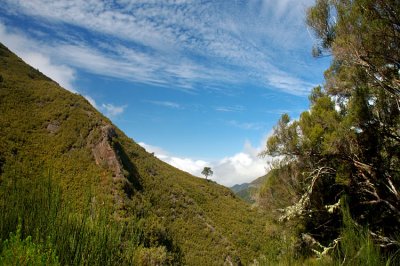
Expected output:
(185, 43)
(230, 109)
(246, 125)
(167, 104)
(197, 46)
(60, 73)
(26, 49)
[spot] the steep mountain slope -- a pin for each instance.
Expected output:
(247, 191)
(48, 131)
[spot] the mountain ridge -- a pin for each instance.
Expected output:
(45, 128)
(247, 191)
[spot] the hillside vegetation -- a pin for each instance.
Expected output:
(248, 191)
(338, 184)
(74, 190)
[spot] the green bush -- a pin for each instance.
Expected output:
(356, 246)
(151, 256)
(46, 221)
(17, 251)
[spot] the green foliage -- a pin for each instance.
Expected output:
(248, 191)
(279, 189)
(356, 247)
(285, 140)
(207, 172)
(52, 227)
(151, 256)
(336, 153)
(347, 144)
(105, 200)
(209, 224)
(364, 37)
(247, 194)
(17, 251)
(319, 18)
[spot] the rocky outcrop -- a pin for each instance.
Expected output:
(53, 127)
(107, 156)
(104, 154)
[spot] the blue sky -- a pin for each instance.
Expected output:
(200, 83)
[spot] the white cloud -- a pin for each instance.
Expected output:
(91, 101)
(186, 42)
(289, 83)
(228, 109)
(245, 125)
(192, 166)
(159, 152)
(167, 104)
(244, 166)
(64, 75)
(186, 164)
(26, 49)
(112, 110)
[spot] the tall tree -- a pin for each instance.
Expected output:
(347, 146)
(364, 38)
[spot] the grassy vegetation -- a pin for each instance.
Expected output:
(60, 205)
(248, 191)
(223, 226)
(137, 209)
(34, 209)
(47, 228)
(17, 251)
(289, 245)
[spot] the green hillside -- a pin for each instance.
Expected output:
(73, 181)
(248, 191)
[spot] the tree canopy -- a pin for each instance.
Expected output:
(207, 172)
(364, 38)
(344, 151)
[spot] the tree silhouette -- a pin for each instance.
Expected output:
(207, 172)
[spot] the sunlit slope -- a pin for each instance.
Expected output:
(44, 128)
(248, 191)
